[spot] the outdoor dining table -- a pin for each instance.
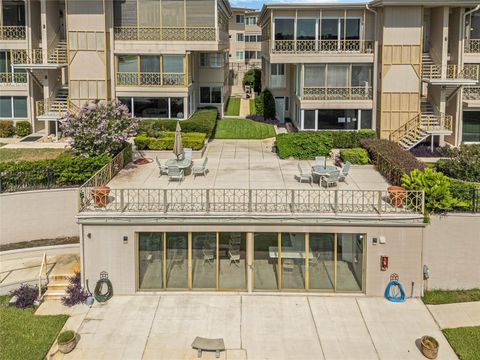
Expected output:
(182, 164)
(323, 170)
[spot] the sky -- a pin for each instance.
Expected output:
(257, 4)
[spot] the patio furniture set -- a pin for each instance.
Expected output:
(327, 175)
(176, 169)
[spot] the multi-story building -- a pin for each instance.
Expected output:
(163, 59)
(409, 69)
(245, 45)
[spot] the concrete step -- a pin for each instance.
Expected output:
(54, 294)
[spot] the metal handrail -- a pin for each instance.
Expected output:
(43, 267)
(337, 93)
(452, 72)
(13, 78)
(411, 125)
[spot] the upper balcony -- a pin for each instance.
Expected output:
(152, 79)
(12, 20)
(39, 58)
(12, 33)
(322, 46)
(472, 46)
(141, 33)
(450, 74)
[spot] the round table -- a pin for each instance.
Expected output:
(323, 170)
(182, 164)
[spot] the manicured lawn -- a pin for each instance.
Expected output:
(24, 335)
(253, 110)
(2, 144)
(29, 154)
(465, 341)
(233, 107)
(436, 297)
(243, 129)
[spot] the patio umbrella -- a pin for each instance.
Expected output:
(178, 145)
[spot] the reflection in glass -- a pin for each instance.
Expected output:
(204, 256)
(265, 260)
(329, 29)
(177, 261)
(321, 267)
(150, 253)
(284, 29)
(349, 262)
(293, 261)
(127, 63)
(232, 263)
(306, 29)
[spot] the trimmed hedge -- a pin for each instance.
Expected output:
(463, 163)
(166, 140)
(391, 160)
(350, 139)
(304, 145)
(6, 128)
(265, 104)
(23, 128)
(356, 156)
(202, 121)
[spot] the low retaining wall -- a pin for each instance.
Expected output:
(34, 215)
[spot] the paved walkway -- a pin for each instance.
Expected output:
(456, 315)
(244, 107)
(256, 327)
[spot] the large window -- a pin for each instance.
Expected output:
(143, 107)
(240, 19)
(150, 253)
(338, 75)
(13, 13)
(211, 60)
(306, 29)
(240, 37)
(251, 20)
(338, 29)
(284, 29)
(13, 107)
(277, 76)
(210, 95)
(240, 55)
(471, 126)
(253, 38)
(336, 119)
(17, 76)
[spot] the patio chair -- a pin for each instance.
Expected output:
(200, 169)
(162, 169)
(345, 171)
(187, 153)
(208, 256)
(174, 173)
(330, 180)
(234, 256)
(302, 176)
(315, 260)
(320, 160)
(287, 265)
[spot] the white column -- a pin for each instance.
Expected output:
(250, 262)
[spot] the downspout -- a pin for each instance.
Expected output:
(375, 69)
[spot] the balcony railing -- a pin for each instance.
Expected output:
(35, 56)
(322, 46)
(259, 201)
(12, 32)
(337, 93)
(471, 93)
(472, 46)
(151, 79)
(165, 33)
(48, 106)
(450, 72)
(13, 78)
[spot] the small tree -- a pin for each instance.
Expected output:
(253, 78)
(265, 104)
(99, 128)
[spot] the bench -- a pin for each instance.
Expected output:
(204, 344)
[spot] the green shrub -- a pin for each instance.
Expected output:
(202, 121)
(167, 139)
(265, 104)
(391, 160)
(23, 128)
(65, 336)
(464, 163)
(304, 145)
(6, 128)
(350, 139)
(467, 193)
(253, 77)
(356, 156)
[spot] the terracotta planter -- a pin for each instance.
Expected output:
(429, 347)
(100, 195)
(398, 195)
(68, 346)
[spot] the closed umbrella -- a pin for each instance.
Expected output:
(178, 145)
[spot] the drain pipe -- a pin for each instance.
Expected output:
(375, 66)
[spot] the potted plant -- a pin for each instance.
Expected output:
(398, 196)
(67, 340)
(429, 347)
(100, 195)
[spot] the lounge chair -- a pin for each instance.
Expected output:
(344, 172)
(200, 169)
(302, 176)
(330, 180)
(174, 173)
(162, 169)
(320, 160)
(208, 256)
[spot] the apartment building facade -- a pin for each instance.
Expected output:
(163, 59)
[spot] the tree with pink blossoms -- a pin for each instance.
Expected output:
(98, 128)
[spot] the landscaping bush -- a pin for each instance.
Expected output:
(23, 128)
(26, 295)
(253, 77)
(6, 128)
(391, 160)
(74, 293)
(304, 145)
(166, 140)
(464, 163)
(350, 139)
(356, 156)
(467, 193)
(265, 104)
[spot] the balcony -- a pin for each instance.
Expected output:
(13, 78)
(463, 75)
(322, 46)
(12, 32)
(472, 46)
(56, 56)
(338, 93)
(152, 79)
(471, 93)
(128, 33)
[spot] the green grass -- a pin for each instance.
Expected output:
(233, 107)
(251, 104)
(29, 154)
(243, 129)
(2, 144)
(436, 297)
(24, 335)
(465, 341)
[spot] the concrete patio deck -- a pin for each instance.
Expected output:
(243, 164)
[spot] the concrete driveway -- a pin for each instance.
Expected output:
(256, 327)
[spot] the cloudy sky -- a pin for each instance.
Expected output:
(257, 4)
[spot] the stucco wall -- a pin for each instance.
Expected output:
(451, 251)
(34, 215)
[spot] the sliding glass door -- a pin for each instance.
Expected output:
(321, 266)
(204, 260)
(150, 261)
(177, 260)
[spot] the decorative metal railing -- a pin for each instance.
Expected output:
(48, 106)
(35, 56)
(451, 72)
(472, 46)
(471, 93)
(338, 93)
(13, 78)
(264, 201)
(322, 46)
(429, 123)
(164, 33)
(151, 79)
(12, 32)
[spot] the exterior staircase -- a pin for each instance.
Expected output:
(57, 286)
(53, 109)
(58, 55)
(430, 70)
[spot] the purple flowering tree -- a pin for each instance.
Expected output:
(99, 128)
